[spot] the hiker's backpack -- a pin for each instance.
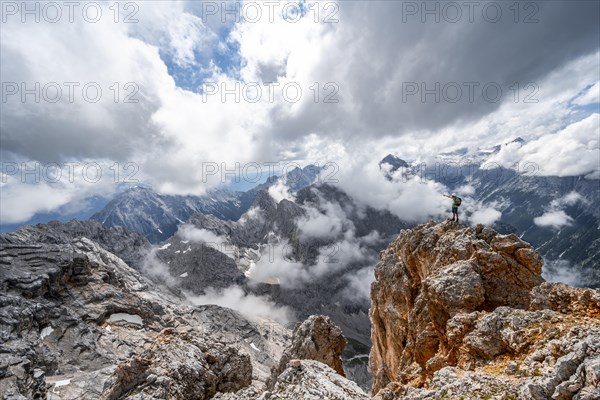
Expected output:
(457, 201)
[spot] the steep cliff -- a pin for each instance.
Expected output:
(461, 312)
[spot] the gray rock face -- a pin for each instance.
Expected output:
(77, 323)
(179, 365)
(157, 216)
(128, 245)
(253, 228)
(196, 267)
(312, 380)
(310, 367)
(317, 338)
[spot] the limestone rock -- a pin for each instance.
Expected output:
(463, 313)
(317, 338)
(314, 381)
(77, 322)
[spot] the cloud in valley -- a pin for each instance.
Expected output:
(189, 232)
(326, 224)
(555, 217)
(359, 284)
(255, 308)
(485, 216)
(280, 191)
(561, 271)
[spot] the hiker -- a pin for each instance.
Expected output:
(456, 201)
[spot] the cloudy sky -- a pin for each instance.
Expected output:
(161, 92)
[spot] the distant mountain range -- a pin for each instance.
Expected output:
(157, 216)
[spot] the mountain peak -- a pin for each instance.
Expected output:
(394, 161)
(395, 164)
(449, 299)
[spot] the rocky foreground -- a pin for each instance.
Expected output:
(463, 313)
(76, 322)
(457, 313)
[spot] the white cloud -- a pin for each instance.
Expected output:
(411, 199)
(568, 152)
(340, 255)
(590, 96)
(359, 283)
(275, 264)
(554, 219)
(189, 232)
(485, 216)
(253, 307)
(326, 224)
(187, 34)
(153, 267)
(22, 202)
(171, 132)
(561, 271)
(280, 191)
(35, 187)
(253, 216)
(571, 198)
(465, 190)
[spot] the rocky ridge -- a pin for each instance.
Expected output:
(463, 313)
(128, 245)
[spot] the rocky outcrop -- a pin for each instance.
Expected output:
(129, 246)
(193, 266)
(310, 380)
(313, 380)
(310, 368)
(179, 365)
(317, 338)
(77, 323)
(462, 312)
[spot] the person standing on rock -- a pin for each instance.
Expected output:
(456, 202)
